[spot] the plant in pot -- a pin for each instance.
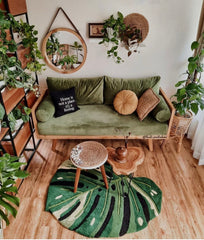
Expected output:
(115, 32)
(11, 70)
(189, 96)
(9, 173)
(68, 61)
(16, 118)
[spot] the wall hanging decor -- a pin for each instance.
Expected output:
(64, 50)
(128, 32)
(95, 30)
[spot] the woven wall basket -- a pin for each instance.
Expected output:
(136, 20)
(180, 125)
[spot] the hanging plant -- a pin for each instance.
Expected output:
(116, 32)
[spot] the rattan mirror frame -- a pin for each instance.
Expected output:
(47, 60)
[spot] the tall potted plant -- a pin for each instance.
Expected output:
(189, 97)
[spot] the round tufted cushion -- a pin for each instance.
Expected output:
(125, 102)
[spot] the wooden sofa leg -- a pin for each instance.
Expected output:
(54, 143)
(150, 144)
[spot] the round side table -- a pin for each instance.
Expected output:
(89, 155)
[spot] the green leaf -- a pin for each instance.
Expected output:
(8, 207)
(179, 83)
(194, 45)
(194, 107)
(21, 174)
(191, 67)
(10, 198)
(4, 217)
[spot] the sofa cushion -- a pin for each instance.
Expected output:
(147, 102)
(88, 90)
(125, 102)
(101, 120)
(64, 101)
(161, 112)
(45, 110)
(113, 85)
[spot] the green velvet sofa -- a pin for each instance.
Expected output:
(97, 118)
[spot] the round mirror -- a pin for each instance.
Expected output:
(64, 50)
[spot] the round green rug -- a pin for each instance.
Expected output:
(95, 211)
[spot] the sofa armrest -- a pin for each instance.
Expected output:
(172, 109)
(35, 106)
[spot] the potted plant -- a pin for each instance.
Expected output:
(115, 32)
(2, 113)
(11, 70)
(9, 173)
(68, 61)
(189, 96)
(18, 116)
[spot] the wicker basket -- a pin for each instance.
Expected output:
(180, 125)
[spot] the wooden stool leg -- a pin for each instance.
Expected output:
(104, 176)
(78, 171)
(150, 143)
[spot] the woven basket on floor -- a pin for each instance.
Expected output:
(180, 125)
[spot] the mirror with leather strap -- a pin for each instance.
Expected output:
(64, 50)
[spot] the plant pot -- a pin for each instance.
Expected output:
(180, 124)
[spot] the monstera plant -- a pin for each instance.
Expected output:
(9, 173)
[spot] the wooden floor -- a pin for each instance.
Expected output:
(178, 175)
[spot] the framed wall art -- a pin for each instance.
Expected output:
(95, 30)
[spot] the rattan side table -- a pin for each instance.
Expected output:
(89, 155)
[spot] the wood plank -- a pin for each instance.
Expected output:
(178, 176)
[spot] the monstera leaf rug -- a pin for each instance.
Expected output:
(94, 211)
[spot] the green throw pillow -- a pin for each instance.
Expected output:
(161, 112)
(87, 90)
(45, 110)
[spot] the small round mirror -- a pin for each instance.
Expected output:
(64, 50)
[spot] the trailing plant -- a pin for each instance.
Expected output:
(115, 32)
(10, 67)
(18, 113)
(190, 92)
(9, 173)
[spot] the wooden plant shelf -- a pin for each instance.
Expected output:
(31, 98)
(12, 97)
(3, 132)
(19, 141)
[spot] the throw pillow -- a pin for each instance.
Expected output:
(147, 102)
(125, 102)
(161, 112)
(64, 101)
(45, 110)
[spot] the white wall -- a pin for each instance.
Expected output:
(172, 27)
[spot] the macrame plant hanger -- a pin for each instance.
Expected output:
(69, 20)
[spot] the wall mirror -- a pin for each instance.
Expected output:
(64, 50)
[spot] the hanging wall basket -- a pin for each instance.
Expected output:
(136, 20)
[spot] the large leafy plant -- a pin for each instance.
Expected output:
(190, 92)
(9, 173)
(115, 32)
